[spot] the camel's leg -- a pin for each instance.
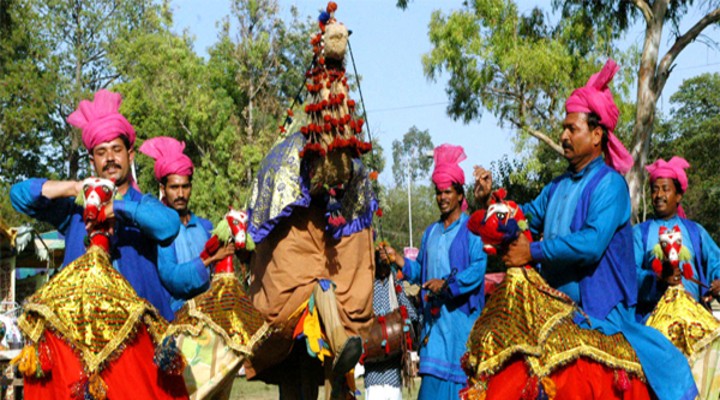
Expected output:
(346, 349)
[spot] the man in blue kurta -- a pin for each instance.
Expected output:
(182, 270)
(141, 220)
(668, 183)
(451, 269)
(586, 251)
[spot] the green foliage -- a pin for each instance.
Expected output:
(692, 131)
(410, 156)
(395, 222)
(227, 109)
(26, 93)
(521, 67)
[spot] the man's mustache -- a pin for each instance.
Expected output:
(566, 145)
(110, 165)
(180, 199)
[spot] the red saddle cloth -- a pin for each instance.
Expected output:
(132, 376)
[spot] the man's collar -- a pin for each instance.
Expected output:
(675, 217)
(598, 161)
(457, 221)
(193, 219)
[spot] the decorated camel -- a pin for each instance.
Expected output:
(310, 215)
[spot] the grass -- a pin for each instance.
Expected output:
(249, 390)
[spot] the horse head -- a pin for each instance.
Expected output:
(500, 224)
(670, 250)
(97, 193)
(237, 221)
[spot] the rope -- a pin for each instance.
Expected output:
(375, 183)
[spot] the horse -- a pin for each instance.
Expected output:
(525, 344)
(217, 330)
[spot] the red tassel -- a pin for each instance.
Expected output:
(687, 271)
(490, 250)
(622, 382)
(530, 392)
(657, 267)
(46, 363)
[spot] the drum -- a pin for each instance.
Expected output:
(390, 336)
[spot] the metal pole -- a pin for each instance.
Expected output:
(409, 203)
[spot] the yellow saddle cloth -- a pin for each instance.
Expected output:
(227, 310)
(527, 317)
(92, 306)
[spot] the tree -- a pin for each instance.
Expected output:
(270, 59)
(80, 34)
(521, 69)
(518, 67)
(227, 122)
(395, 214)
(26, 95)
(653, 69)
(410, 156)
(693, 132)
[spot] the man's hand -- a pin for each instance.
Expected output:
(715, 287)
(224, 251)
(434, 285)
(518, 253)
(483, 186)
(389, 255)
(674, 277)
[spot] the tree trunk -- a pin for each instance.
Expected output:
(646, 100)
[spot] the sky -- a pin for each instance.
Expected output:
(388, 44)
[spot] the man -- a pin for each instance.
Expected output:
(586, 251)
(668, 183)
(142, 222)
(183, 272)
(451, 269)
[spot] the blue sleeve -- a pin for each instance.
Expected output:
(609, 209)
(535, 210)
(648, 291)
(154, 219)
(412, 270)
(182, 280)
(474, 275)
(710, 255)
(26, 197)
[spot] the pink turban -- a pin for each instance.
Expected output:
(100, 120)
(673, 169)
(596, 97)
(447, 169)
(168, 155)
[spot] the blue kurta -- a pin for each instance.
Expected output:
(142, 222)
(567, 256)
(649, 292)
(182, 271)
(573, 249)
(447, 332)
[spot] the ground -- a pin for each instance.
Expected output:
(242, 389)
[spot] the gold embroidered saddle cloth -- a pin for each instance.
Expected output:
(526, 317)
(91, 306)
